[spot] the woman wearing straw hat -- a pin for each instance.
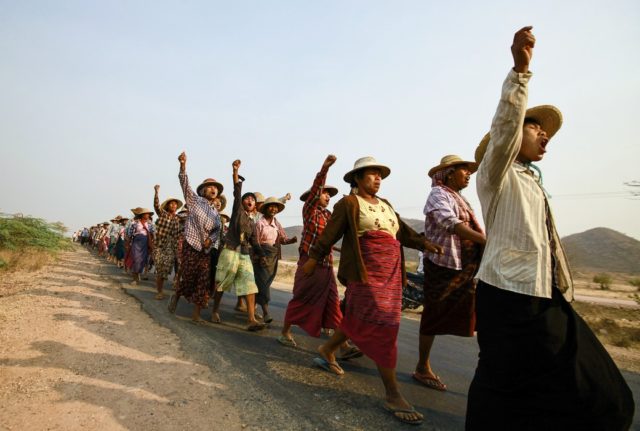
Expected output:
(235, 270)
(449, 286)
(270, 235)
(540, 366)
(372, 268)
(120, 248)
(140, 235)
(166, 245)
(315, 304)
(201, 238)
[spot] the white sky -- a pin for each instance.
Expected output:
(97, 99)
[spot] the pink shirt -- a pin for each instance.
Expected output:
(268, 231)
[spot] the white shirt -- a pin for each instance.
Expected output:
(517, 256)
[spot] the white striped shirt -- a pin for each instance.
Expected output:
(517, 256)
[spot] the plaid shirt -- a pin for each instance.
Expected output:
(315, 218)
(203, 220)
(167, 227)
(442, 213)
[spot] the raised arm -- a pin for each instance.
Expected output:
(189, 195)
(506, 127)
(316, 187)
(156, 201)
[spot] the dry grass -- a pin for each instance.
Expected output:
(25, 260)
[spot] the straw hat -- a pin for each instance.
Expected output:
(225, 216)
(210, 182)
(271, 201)
(329, 189)
(136, 210)
(166, 202)
(259, 197)
(548, 116)
(452, 160)
(143, 211)
(366, 162)
(223, 202)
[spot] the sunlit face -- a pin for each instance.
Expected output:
(145, 217)
(459, 178)
(369, 180)
(249, 203)
(271, 210)
(209, 192)
(217, 204)
(172, 207)
(534, 143)
(323, 200)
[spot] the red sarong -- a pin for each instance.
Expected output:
(373, 309)
(315, 303)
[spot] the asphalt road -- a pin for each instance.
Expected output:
(278, 388)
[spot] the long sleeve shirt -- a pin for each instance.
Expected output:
(270, 232)
(241, 232)
(314, 217)
(168, 226)
(203, 220)
(520, 229)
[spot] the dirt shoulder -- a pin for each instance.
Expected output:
(77, 353)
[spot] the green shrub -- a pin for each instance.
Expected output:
(603, 279)
(635, 282)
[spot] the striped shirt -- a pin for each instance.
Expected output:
(203, 220)
(517, 256)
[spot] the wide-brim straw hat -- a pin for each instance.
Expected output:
(210, 182)
(329, 189)
(548, 116)
(366, 162)
(271, 201)
(259, 197)
(143, 211)
(453, 160)
(223, 202)
(166, 202)
(136, 210)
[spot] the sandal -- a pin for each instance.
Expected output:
(398, 412)
(331, 367)
(198, 322)
(286, 341)
(173, 304)
(255, 327)
(215, 318)
(430, 382)
(159, 296)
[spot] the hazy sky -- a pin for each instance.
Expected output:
(97, 99)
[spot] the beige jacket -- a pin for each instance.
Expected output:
(517, 256)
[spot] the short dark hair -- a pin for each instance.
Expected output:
(531, 120)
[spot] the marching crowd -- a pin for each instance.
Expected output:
(539, 363)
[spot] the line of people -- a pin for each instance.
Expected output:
(540, 366)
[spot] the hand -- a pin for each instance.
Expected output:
(287, 197)
(156, 187)
(207, 243)
(182, 158)
(263, 261)
(236, 165)
(330, 160)
(309, 267)
(293, 240)
(433, 248)
(522, 49)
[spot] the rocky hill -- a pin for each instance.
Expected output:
(603, 249)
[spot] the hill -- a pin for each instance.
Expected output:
(603, 249)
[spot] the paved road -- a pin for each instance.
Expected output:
(279, 389)
(624, 303)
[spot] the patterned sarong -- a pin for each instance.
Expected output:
(450, 295)
(315, 303)
(235, 270)
(138, 254)
(373, 309)
(164, 258)
(194, 281)
(265, 275)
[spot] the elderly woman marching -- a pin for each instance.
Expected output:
(201, 237)
(234, 264)
(449, 285)
(372, 268)
(270, 236)
(140, 234)
(166, 245)
(315, 303)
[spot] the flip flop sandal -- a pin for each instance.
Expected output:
(172, 305)
(331, 367)
(352, 353)
(285, 341)
(267, 318)
(216, 321)
(430, 382)
(255, 327)
(199, 322)
(395, 412)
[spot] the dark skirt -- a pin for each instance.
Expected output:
(450, 296)
(541, 367)
(315, 303)
(265, 275)
(373, 309)
(194, 282)
(139, 254)
(120, 249)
